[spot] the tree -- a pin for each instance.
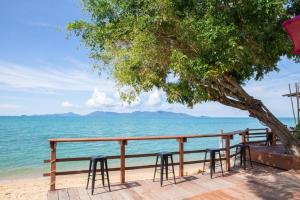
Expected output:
(194, 50)
(297, 130)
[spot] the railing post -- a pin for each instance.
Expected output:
(245, 134)
(181, 155)
(122, 160)
(52, 165)
(273, 136)
(227, 149)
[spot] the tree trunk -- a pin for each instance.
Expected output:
(228, 91)
(290, 142)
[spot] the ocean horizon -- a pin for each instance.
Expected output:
(24, 139)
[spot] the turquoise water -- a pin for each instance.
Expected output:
(24, 140)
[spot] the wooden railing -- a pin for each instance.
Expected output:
(123, 141)
(259, 135)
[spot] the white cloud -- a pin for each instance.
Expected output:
(67, 104)
(76, 79)
(9, 106)
(50, 79)
(154, 98)
(100, 99)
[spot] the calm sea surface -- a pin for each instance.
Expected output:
(24, 140)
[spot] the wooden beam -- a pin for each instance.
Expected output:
(256, 129)
(126, 168)
(122, 143)
(126, 156)
(181, 155)
(227, 147)
(52, 165)
(141, 137)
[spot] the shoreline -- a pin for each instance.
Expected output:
(37, 188)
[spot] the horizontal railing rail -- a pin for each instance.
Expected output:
(123, 141)
(141, 138)
(269, 137)
(118, 157)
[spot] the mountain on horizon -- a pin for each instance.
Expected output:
(138, 113)
(110, 114)
(68, 114)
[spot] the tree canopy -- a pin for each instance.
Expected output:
(194, 50)
(186, 47)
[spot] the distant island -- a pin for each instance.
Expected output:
(110, 114)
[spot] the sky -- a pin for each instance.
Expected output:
(43, 71)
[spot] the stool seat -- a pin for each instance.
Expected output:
(98, 157)
(213, 150)
(165, 153)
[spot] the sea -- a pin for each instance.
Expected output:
(24, 139)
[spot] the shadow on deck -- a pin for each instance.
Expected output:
(261, 182)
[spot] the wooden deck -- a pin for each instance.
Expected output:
(261, 182)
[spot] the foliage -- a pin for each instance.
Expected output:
(186, 47)
(297, 129)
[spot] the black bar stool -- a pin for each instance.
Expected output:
(212, 167)
(269, 139)
(240, 150)
(164, 166)
(93, 168)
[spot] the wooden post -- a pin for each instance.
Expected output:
(52, 165)
(228, 137)
(246, 136)
(181, 155)
(274, 138)
(122, 160)
(273, 142)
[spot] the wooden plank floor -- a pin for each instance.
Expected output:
(258, 183)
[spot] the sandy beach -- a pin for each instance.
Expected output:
(37, 188)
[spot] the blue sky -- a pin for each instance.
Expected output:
(41, 71)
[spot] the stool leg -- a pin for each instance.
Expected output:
(204, 162)
(211, 165)
(102, 172)
(90, 167)
(106, 169)
(173, 169)
(167, 167)
(241, 156)
(94, 176)
(161, 170)
(250, 160)
(220, 158)
(155, 168)
(244, 157)
(236, 149)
